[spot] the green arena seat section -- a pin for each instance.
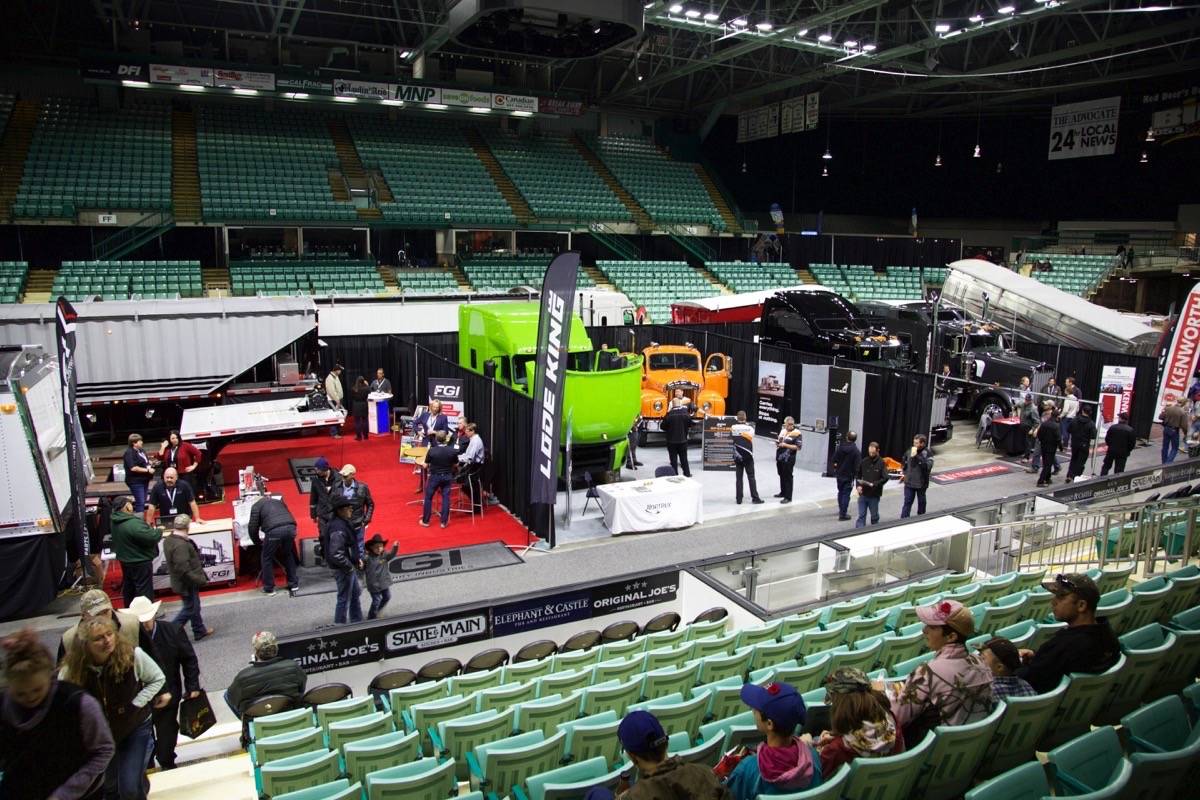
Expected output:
(315, 276)
(863, 282)
(1075, 273)
(656, 284)
(12, 280)
(741, 276)
(503, 271)
(426, 281)
(124, 280)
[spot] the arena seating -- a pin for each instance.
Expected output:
(1077, 274)
(669, 190)
(862, 282)
(256, 165)
(431, 170)
(426, 281)
(552, 177)
(741, 276)
(503, 271)
(85, 158)
(509, 729)
(121, 280)
(656, 284)
(6, 106)
(308, 276)
(12, 280)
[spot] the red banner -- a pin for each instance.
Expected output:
(1180, 362)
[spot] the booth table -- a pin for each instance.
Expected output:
(379, 412)
(1009, 436)
(651, 505)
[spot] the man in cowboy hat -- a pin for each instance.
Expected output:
(171, 650)
(342, 557)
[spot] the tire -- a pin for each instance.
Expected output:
(990, 404)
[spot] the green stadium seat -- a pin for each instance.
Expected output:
(1025, 782)
(546, 713)
(282, 745)
(1089, 763)
(341, 789)
(284, 722)
(364, 756)
(299, 772)
(888, 777)
(420, 780)
(1086, 696)
(957, 754)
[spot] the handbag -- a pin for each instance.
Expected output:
(196, 716)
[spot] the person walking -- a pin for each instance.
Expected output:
(1031, 418)
(440, 462)
(1049, 417)
(342, 557)
(1083, 431)
(787, 448)
(1047, 435)
(187, 575)
(846, 458)
(676, 425)
(1120, 440)
(136, 546)
(871, 476)
(273, 526)
(379, 580)
(321, 488)
(743, 457)
(1070, 407)
(138, 471)
(1174, 419)
(917, 464)
(174, 655)
(335, 393)
(363, 507)
(359, 408)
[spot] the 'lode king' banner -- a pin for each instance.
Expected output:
(1179, 363)
(65, 317)
(554, 334)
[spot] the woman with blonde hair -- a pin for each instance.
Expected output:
(861, 721)
(125, 680)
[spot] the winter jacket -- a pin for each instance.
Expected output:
(869, 740)
(917, 468)
(1083, 648)
(846, 459)
(1083, 430)
(341, 554)
(333, 389)
(776, 770)
(358, 401)
(953, 689)
(364, 506)
(321, 494)
(183, 564)
(272, 676)
(1121, 440)
(134, 540)
(676, 425)
(872, 475)
(674, 780)
(1048, 437)
(271, 517)
(1030, 418)
(376, 569)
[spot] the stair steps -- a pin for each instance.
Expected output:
(39, 286)
(512, 195)
(347, 153)
(464, 285)
(337, 185)
(215, 281)
(14, 146)
(718, 198)
(640, 217)
(388, 276)
(806, 277)
(598, 277)
(711, 277)
(185, 169)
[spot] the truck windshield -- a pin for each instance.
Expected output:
(984, 341)
(686, 361)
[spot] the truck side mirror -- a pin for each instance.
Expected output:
(489, 369)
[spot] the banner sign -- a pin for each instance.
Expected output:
(792, 117)
(772, 381)
(1116, 394)
(1128, 483)
(467, 97)
(811, 111)
(716, 444)
(1078, 130)
(64, 329)
(107, 70)
(377, 91)
(169, 73)
(216, 556)
(450, 392)
(758, 123)
(1180, 119)
(294, 83)
(541, 612)
(554, 334)
(1179, 363)
(240, 79)
(515, 102)
(553, 105)
(415, 93)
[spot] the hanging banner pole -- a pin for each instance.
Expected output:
(65, 317)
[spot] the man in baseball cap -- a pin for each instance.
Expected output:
(267, 674)
(783, 763)
(96, 603)
(1087, 644)
(659, 776)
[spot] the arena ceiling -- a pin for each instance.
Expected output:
(698, 58)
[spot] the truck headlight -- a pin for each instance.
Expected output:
(707, 407)
(658, 405)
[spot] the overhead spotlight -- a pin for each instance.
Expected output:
(941, 27)
(739, 23)
(764, 26)
(824, 172)
(850, 44)
(712, 16)
(802, 32)
(868, 48)
(1006, 9)
(978, 152)
(1145, 159)
(1150, 134)
(937, 162)
(825, 37)
(999, 167)
(743, 166)
(675, 9)
(975, 18)
(828, 155)
(691, 13)
(405, 53)
(639, 77)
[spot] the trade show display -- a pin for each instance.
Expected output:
(379, 413)
(657, 504)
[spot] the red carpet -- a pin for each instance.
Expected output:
(392, 486)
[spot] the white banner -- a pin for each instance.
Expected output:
(811, 112)
(758, 123)
(378, 91)
(1084, 129)
(1180, 362)
(1116, 394)
(239, 79)
(514, 102)
(466, 97)
(792, 116)
(167, 73)
(415, 93)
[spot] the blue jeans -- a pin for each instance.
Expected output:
(1064, 431)
(911, 494)
(1036, 462)
(1170, 447)
(139, 491)
(866, 504)
(378, 601)
(360, 538)
(844, 486)
(437, 483)
(190, 612)
(123, 780)
(348, 592)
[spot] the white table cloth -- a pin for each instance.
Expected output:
(651, 505)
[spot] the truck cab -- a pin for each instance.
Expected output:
(821, 321)
(670, 367)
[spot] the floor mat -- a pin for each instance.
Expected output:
(963, 474)
(303, 471)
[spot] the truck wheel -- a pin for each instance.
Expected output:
(641, 439)
(992, 407)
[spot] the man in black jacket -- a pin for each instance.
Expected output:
(1083, 431)
(846, 458)
(341, 555)
(1087, 645)
(675, 425)
(918, 463)
(1047, 439)
(440, 463)
(871, 476)
(320, 493)
(272, 525)
(361, 505)
(174, 655)
(1121, 440)
(267, 674)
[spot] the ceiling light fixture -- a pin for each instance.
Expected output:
(246, 92)
(296, 95)
(437, 106)
(1145, 159)
(1150, 134)
(739, 23)
(712, 16)
(1006, 9)
(764, 26)
(522, 113)
(941, 27)
(692, 13)
(868, 48)
(479, 110)
(136, 84)
(850, 44)
(825, 37)
(828, 155)
(405, 53)
(675, 9)
(937, 161)
(824, 172)
(191, 87)
(342, 99)
(397, 103)
(802, 32)
(978, 153)
(975, 18)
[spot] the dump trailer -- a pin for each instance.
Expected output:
(603, 388)
(1041, 313)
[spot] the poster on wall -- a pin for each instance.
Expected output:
(450, 392)
(716, 448)
(758, 123)
(792, 115)
(216, 556)
(772, 381)
(1079, 130)
(1116, 394)
(376, 91)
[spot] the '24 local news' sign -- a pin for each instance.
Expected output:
(1084, 129)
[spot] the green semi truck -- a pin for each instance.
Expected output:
(603, 387)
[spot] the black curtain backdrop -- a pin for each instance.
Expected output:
(30, 569)
(1086, 366)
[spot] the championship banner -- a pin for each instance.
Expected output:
(554, 334)
(1179, 362)
(169, 73)
(1116, 394)
(812, 110)
(792, 115)
(758, 123)
(1078, 130)
(553, 105)
(64, 328)
(772, 381)
(450, 392)
(1179, 118)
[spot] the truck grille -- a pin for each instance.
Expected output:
(1040, 378)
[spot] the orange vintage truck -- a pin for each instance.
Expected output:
(667, 367)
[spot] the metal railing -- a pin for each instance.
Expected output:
(133, 236)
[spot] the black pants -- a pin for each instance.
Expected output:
(1079, 457)
(138, 579)
(166, 732)
(1110, 460)
(1049, 453)
(281, 548)
(787, 476)
(746, 464)
(631, 455)
(678, 455)
(361, 428)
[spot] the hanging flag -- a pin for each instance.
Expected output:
(65, 316)
(554, 334)
(912, 223)
(1179, 362)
